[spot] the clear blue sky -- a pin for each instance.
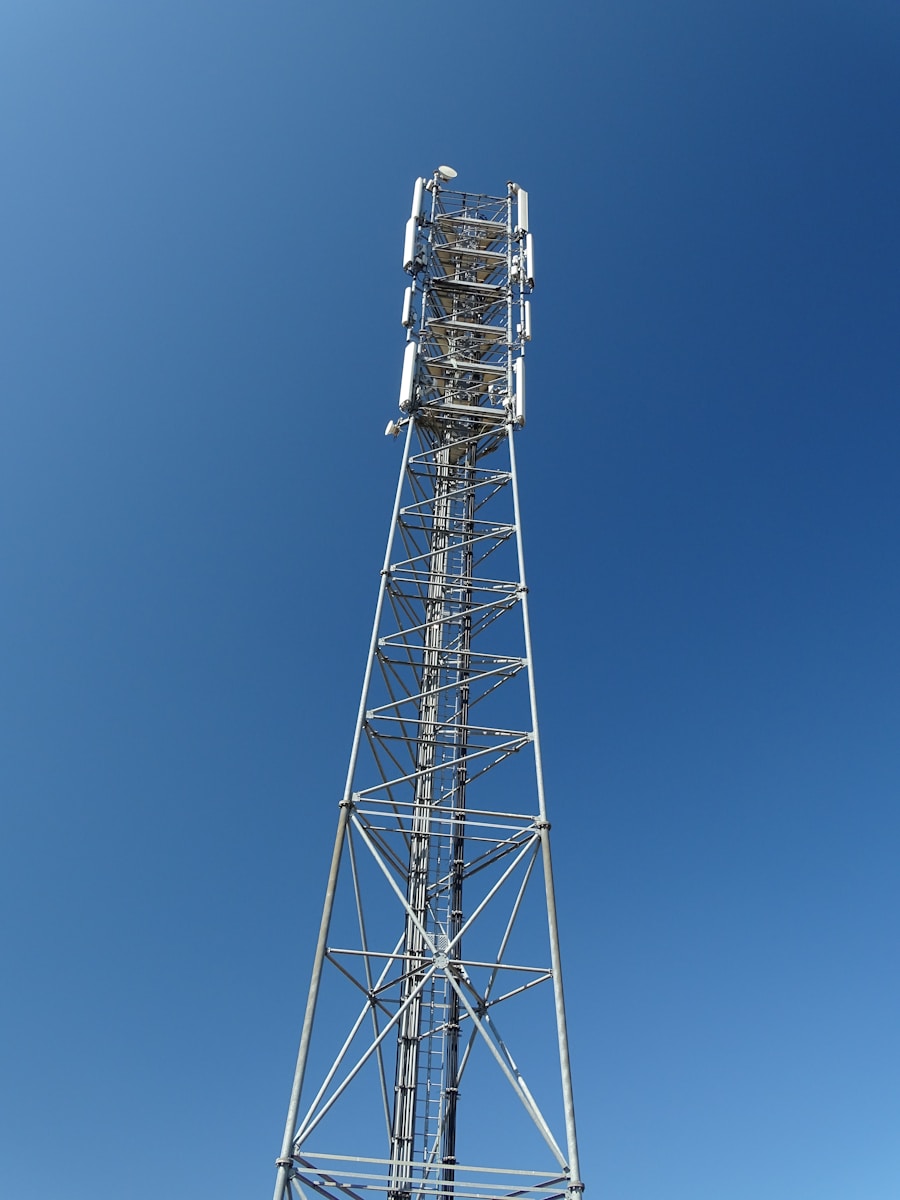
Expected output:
(202, 213)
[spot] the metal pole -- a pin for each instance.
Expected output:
(543, 828)
(287, 1145)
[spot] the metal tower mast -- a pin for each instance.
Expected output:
(439, 925)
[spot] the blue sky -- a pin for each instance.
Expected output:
(203, 206)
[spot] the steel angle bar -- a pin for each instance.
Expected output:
(392, 712)
(506, 748)
(391, 670)
(391, 676)
(397, 827)
(392, 985)
(322, 1188)
(397, 980)
(369, 991)
(426, 936)
(399, 658)
(476, 478)
(361, 921)
(488, 542)
(388, 851)
(410, 587)
(436, 1187)
(489, 617)
(497, 533)
(450, 726)
(497, 852)
(443, 815)
(335, 1067)
(479, 527)
(484, 840)
(531, 1191)
(518, 968)
(483, 612)
(445, 820)
(375, 1003)
(495, 815)
(413, 536)
(480, 583)
(461, 490)
(353, 952)
(446, 737)
(417, 479)
(410, 575)
(400, 603)
(448, 815)
(391, 804)
(452, 686)
(475, 660)
(440, 885)
(516, 1082)
(492, 549)
(525, 987)
(305, 1125)
(505, 678)
(308, 1126)
(377, 739)
(501, 759)
(479, 908)
(306, 1159)
(495, 489)
(510, 925)
(486, 759)
(409, 536)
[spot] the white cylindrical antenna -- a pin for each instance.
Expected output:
(408, 378)
(529, 260)
(418, 192)
(527, 329)
(408, 315)
(519, 377)
(409, 244)
(522, 213)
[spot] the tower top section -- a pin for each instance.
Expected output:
(467, 308)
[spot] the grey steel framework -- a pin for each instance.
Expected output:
(441, 863)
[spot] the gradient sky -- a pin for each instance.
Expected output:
(202, 214)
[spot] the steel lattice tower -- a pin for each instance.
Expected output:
(439, 925)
